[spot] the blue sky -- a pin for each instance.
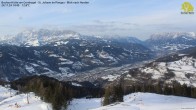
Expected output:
(139, 18)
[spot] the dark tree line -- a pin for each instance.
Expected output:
(113, 94)
(167, 89)
(3, 82)
(60, 93)
(53, 91)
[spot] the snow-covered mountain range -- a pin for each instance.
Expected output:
(159, 42)
(42, 37)
(171, 42)
(39, 37)
(95, 61)
(59, 56)
(63, 54)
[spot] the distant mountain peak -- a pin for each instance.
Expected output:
(172, 35)
(171, 41)
(39, 37)
(32, 37)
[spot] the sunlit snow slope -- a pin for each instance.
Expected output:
(149, 101)
(10, 101)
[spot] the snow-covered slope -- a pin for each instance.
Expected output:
(84, 104)
(135, 101)
(183, 70)
(149, 101)
(180, 68)
(10, 101)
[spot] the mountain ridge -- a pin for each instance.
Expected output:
(67, 57)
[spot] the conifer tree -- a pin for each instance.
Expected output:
(106, 100)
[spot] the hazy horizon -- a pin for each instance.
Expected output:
(124, 18)
(96, 35)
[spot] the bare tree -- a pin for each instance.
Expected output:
(27, 98)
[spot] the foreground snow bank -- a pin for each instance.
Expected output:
(84, 104)
(10, 101)
(150, 101)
